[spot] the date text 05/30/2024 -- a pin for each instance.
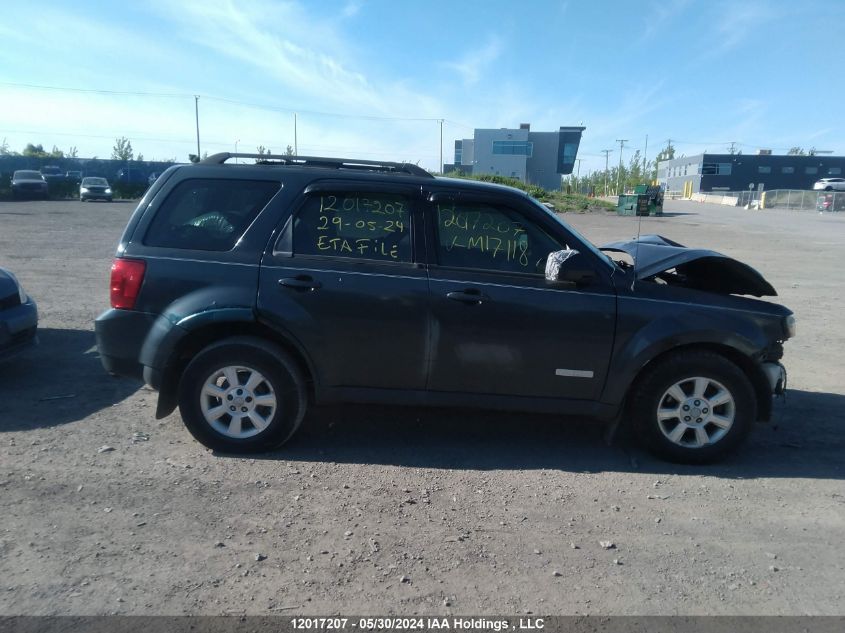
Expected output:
(417, 624)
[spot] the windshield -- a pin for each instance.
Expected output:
(95, 181)
(592, 248)
(29, 175)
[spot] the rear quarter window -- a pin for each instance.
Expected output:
(208, 214)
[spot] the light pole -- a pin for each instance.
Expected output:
(621, 142)
(197, 115)
(441, 147)
(606, 155)
(236, 150)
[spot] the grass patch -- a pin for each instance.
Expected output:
(563, 202)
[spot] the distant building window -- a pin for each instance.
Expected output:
(811, 170)
(834, 171)
(787, 170)
(716, 169)
(518, 148)
(764, 169)
(459, 155)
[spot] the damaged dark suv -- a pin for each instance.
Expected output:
(245, 293)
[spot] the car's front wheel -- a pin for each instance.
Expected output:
(242, 395)
(693, 407)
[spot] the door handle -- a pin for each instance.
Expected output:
(470, 295)
(302, 282)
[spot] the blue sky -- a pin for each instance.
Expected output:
(371, 78)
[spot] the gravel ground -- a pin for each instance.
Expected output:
(374, 510)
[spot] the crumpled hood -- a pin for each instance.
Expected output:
(696, 268)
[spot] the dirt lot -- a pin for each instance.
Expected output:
(404, 511)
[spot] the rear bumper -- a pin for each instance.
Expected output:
(120, 336)
(18, 329)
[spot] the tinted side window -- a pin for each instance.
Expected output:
(492, 238)
(357, 225)
(207, 214)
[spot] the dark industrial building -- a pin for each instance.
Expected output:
(535, 158)
(741, 172)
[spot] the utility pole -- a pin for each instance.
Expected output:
(606, 153)
(441, 147)
(621, 142)
(578, 175)
(295, 144)
(732, 146)
(197, 115)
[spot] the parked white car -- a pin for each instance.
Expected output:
(830, 184)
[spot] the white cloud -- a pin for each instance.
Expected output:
(352, 8)
(475, 62)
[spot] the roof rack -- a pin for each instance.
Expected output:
(316, 161)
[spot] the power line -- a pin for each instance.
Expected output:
(176, 95)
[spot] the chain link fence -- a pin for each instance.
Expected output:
(787, 199)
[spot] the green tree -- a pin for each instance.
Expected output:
(140, 158)
(56, 153)
(72, 153)
(667, 153)
(34, 151)
(122, 149)
(289, 151)
(4, 148)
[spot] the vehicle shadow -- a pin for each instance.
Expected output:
(804, 439)
(59, 381)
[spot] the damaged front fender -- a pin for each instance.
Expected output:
(657, 258)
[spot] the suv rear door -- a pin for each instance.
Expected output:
(342, 280)
(499, 328)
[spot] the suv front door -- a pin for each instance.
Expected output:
(499, 328)
(343, 282)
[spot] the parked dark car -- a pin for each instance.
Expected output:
(246, 293)
(94, 188)
(52, 173)
(73, 176)
(18, 317)
(29, 183)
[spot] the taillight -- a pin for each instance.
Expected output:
(127, 275)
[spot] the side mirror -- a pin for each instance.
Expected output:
(556, 270)
(555, 260)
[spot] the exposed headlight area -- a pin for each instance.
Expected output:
(83, 189)
(789, 326)
(108, 189)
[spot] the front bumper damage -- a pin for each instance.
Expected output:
(776, 375)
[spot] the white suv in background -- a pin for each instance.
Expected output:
(830, 184)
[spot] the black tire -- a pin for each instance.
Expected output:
(282, 376)
(651, 392)
(828, 188)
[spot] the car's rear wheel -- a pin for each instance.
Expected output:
(693, 407)
(828, 188)
(242, 395)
